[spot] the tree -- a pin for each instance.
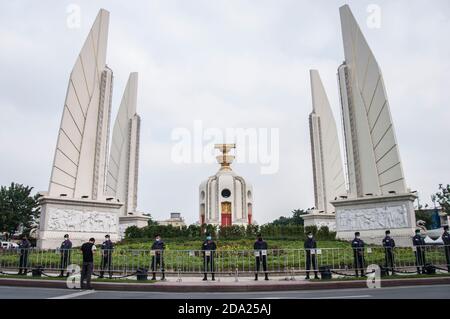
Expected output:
(443, 198)
(18, 208)
(151, 221)
(296, 218)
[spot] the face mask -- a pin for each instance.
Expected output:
(357, 237)
(208, 238)
(158, 239)
(310, 236)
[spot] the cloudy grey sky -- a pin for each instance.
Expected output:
(229, 63)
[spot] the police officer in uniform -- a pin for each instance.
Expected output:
(24, 247)
(446, 240)
(358, 254)
(158, 258)
(64, 249)
(107, 250)
(260, 248)
(208, 248)
(388, 244)
(311, 256)
(419, 244)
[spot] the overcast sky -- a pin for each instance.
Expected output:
(228, 63)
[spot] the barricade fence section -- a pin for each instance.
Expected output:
(120, 262)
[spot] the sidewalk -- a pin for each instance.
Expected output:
(224, 284)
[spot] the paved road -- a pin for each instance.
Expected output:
(419, 292)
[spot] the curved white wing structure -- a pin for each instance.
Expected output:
(79, 164)
(328, 171)
(373, 160)
(123, 165)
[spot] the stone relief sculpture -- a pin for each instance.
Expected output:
(81, 221)
(372, 218)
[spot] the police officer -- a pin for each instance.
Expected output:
(388, 244)
(64, 249)
(107, 250)
(419, 244)
(24, 247)
(260, 248)
(311, 257)
(208, 248)
(446, 240)
(158, 257)
(358, 254)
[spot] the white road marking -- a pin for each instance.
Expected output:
(342, 297)
(74, 295)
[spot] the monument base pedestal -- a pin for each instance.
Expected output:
(372, 216)
(81, 219)
(138, 220)
(315, 218)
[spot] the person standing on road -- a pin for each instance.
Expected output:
(389, 244)
(310, 246)
(260, 248)
(358, 254)
(209, 248)
(24, 247)
(446, 240)
(64, 249)
(107, 250)
(88, 249)
(158, 257)
(419, 246)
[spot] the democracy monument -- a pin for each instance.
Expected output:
(94, 179)
(376, 198)
(225, 198)
(91, 194)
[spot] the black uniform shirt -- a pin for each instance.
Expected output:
(107, 245)
(66, 244)
(24, 244)
(209, 245)
(260, 245)
(159, 246)
(418, 240)
(388, 242)
(446, 238)
(358, 244)
(310, 243)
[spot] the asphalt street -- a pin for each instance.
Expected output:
(418, 292)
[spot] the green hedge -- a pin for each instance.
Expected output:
(231, 232)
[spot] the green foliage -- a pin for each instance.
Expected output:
(232, 232)
(18, 208)
(296, 218)
(443, 198)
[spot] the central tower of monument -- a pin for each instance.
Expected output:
(225, 198)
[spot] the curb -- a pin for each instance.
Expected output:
(162, 287)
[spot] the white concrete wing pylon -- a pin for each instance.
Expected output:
(123, 165)
(80, 157)
(373, 158)
(329, 181)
